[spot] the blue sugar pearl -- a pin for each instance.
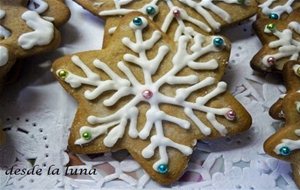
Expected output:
(285, 151)
(274, 16)
(137, 21)
(163, 169)
(150, 10)
(218, 42)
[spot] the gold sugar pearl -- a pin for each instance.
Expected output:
(62, 74)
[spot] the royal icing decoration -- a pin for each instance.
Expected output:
(42, 34)
(4, 33)
(39, 6)
(287, 145)
(278, 10)
(286, 45)
(180, 15)
(113, 126)
(3, 56)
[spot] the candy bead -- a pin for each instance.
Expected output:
(285, 151)
(147, 94)
(137, 21)
(271, 61)
(298, 71)
(274, 16)
(241, 1)
(230, 115)
(62, 74)
(218, 42)
(271, 27)
(150, 10)
(176, 13)
(163, 169)
(87, 135)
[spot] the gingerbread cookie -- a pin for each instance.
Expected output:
(281, 42)
(175, 17)
(151, 96)
(277, 9)
(296, 174)
(285, 143)
(28, 28)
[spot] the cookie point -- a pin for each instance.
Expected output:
(218, 42)
(162, 168)
(274, 16)
(285, 151)
(62, 74)
(230, 115)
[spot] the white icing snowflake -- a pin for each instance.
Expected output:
(180, 15)
(114, 125)
(286, 45)
(268, 9)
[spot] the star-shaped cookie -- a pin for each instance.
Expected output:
(152, 96)
(277, 9)
(281, 42)
(174, 17)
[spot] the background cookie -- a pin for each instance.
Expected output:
(25, 32)
(296, 173)
(167, 95)
(175, 17)
(285, 143)
(281, 42)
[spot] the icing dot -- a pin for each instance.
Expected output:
(62, 74)
(176, 13)
(218, 42)
(241, 1)
(271, 27)
(271, 61)
(87, 135)
(274, 16)
(230, 115)
(147, 94)
(150, 10)
(163, 169)
(137, 21)
(285, 151)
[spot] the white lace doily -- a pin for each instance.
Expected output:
(36, 113)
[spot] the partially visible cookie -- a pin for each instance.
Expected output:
(296, 174)
(276, 9)
(2, 137)
(25, 32)
(285, 143)
(281, 42)
(152, 96)
(174, 17)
